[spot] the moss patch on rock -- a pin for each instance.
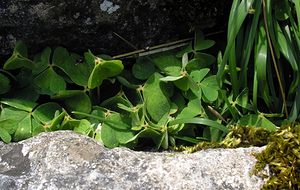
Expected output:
(281, 155)
(239, 136)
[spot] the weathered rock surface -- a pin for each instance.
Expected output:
(65, 160)
(89, 24)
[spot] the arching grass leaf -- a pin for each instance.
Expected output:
(238, 14)
(200, 121)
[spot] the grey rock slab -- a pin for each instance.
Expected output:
(66, 160)
(80, 25)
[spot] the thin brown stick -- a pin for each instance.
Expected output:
(153, 48)
(274, 60)
(126, 41)
(157, 48)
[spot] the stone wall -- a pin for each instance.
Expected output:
(65, 160)
(89, 24)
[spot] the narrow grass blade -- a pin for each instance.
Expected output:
(200, 121)
(187, 139)
(260, 62)
(294, 114)
(236, 19)
(250, 37)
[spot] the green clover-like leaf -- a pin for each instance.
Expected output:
(112, 135)
(44, 113)
(21, 119)
(156, 99)
(208, 86)
(168, 64)
(47, 80)
(200, 43)
(19, 58)
(102, 70)
(4, 83)
(4, 135)
(78, 72)
(143, 68)
(75, 100)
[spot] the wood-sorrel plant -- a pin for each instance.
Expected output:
(165, 99)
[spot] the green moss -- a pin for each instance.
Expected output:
(239, 136)
(282, 153)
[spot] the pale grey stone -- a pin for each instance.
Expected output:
(66, 160)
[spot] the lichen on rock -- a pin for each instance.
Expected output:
(109, 6)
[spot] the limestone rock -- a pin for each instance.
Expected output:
(80, 25)
(65, 160)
